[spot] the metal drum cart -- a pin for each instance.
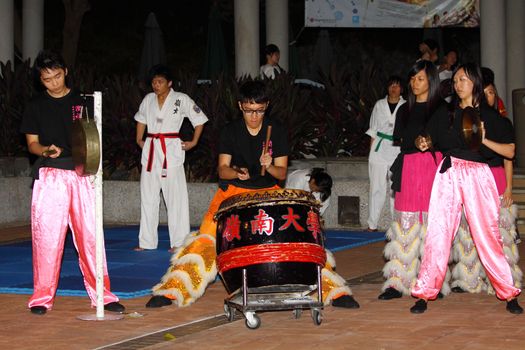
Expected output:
(270, 252)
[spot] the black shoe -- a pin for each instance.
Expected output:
(390, 293)
(346, 301)
(419, 307)
(440, 295)
(513, 307)
(114, 307)
(458, 290)
(41, 310)
(158, 301)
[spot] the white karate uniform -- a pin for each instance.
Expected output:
(162, 121)
(268, 71)
(298, 180)
(382, 155)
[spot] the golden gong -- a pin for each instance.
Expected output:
(85, 146)
(471, 131)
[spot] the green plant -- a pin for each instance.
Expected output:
(15, 89)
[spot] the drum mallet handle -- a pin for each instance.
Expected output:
(268, 134)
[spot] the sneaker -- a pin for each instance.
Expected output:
(390, 293)
(114, 307)
(419, 307)
(346, 301)
(38, 310)
(513, 307)
(458, 290)
(159, 301)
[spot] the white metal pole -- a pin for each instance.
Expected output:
(99, 215)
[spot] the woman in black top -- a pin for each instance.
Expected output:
(465, 181)
(412, 176)
(468, 274)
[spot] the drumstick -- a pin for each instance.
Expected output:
(268, 134)
(237, 170)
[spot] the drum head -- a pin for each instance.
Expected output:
(471, 128)
(85, 147)
(266, 197)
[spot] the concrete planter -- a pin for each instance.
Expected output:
(348, 206)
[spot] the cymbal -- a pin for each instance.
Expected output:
(471, 131)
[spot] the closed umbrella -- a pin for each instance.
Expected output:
(153, 51)
(215, 61)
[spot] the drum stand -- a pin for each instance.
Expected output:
(295, 297)
(99, 228)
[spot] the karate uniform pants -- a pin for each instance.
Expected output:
(379, 189)
(472, 185)
(175, 193)
(61, 198)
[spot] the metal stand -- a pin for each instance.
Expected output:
(273, 298)
(99, 228)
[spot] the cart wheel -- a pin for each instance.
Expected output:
(229, 312)
(297, 313)
(317, 317)
(252, 320)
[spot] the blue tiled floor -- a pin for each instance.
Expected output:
(132, 273)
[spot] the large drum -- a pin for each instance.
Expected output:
(275, 234)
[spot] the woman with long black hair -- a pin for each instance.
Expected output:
(412, 176)
(465, 182)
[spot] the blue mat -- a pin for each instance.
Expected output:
(132, 273)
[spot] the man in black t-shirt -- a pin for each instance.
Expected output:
(245, 164)
(61, 197)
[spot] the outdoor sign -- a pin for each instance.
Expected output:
(391, 13)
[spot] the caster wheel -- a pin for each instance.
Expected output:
(317, 317)
(297, 313)
(252, 321)
(229, 312)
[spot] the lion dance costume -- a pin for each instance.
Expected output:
(193, 266)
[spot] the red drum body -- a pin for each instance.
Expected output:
(275, 235)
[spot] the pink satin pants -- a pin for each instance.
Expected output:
(472, 185)
(61, 198)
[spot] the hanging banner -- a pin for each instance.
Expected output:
(391, 13)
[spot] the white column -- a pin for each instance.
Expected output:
(32, 28)
(246, 37)
(277, 28)
(515, 50)
(7, 34)
(493, 42)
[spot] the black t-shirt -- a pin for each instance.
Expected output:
(409, 127)
(51, 119)
(246, 150)
(448, 138)
(392, 106)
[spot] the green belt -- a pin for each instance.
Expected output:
(383, 137)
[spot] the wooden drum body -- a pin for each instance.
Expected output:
(275, 234)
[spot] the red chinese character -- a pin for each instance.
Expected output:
(313, 224)
(291, 220)
(262, 223)
(232, 229)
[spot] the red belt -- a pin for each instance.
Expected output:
(162, 137)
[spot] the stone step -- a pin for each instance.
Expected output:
(518, 196)
(518, 181)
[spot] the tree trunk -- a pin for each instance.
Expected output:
(74, 12)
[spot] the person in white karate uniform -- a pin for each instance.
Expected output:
(163, 112)
(382, 151)
(314, 180)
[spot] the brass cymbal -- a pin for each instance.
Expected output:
(471, 131)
